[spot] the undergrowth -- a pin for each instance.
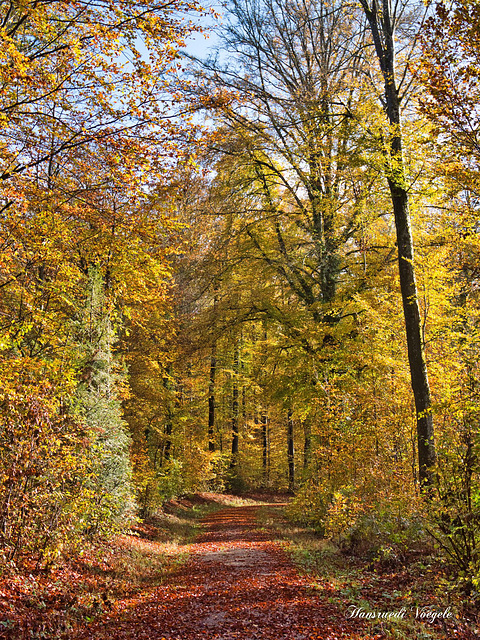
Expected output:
(36, 604)
(399, 596)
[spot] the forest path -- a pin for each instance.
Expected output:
(238, 584)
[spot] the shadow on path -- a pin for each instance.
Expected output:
(238, 584)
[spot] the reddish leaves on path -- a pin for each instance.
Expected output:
(237, 585)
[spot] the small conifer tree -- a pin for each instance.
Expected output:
(99, 396)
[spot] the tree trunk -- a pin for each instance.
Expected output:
(236, 360)
(264, 423)
(168, 437)
(171, 401)
(307, 445)
(211, 401)
(382, 29)
(290, 452)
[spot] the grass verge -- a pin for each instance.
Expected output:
(54, 605)
(403, 599)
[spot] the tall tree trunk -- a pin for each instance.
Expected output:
(382, 26)
(290, 452)
(171, 402)
(236, 360)
(307, 445)
(168, 437)
(264, 423)
(211, 400)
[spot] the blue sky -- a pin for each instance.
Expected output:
(200, 44)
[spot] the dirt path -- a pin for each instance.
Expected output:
(237, 585)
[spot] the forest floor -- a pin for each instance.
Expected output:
(243, 577)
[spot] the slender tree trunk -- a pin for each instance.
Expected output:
(168, 437)
(244, 406)
(382, 25)
(290, 452)
(170, 402)
(211, 401)
(264, 423)
(307, 445)
(236, 360)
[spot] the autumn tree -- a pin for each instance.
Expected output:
(384, 20)
(84, 154)
(449, 73)
(285, 113)
(292, 194)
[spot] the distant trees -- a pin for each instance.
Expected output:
(319, 176)
(307, 144)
